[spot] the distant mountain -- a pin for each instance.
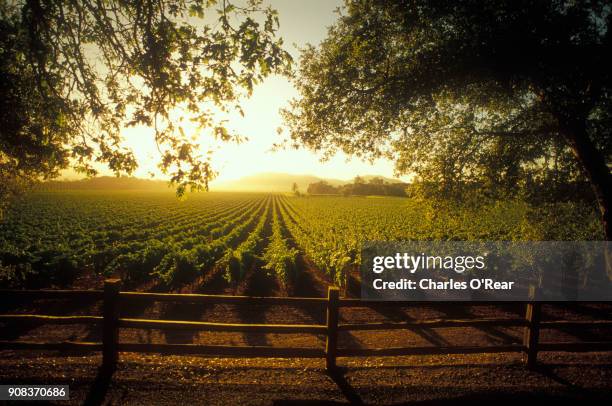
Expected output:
(106, 182)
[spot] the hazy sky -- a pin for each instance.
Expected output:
(301, 22)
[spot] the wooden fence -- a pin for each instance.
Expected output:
(114, 300)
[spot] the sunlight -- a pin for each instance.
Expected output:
(232, 161)
(261, 120)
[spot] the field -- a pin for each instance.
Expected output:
(273, 245)
(256, 245)
(153, 241)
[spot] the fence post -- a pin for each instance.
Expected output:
(331, 344)
(110, 333)
(532, 330)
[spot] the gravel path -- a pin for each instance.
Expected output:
(152, 379)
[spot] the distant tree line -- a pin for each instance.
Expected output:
(359, 187)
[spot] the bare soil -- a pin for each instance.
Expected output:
(419, 380)
(154, 379)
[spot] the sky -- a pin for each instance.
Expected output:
(301, 22)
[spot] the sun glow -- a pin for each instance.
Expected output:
(300, 23)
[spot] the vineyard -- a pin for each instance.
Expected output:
(153, 241)
(253, 275)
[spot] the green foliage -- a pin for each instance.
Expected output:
(282, 261)
(55, 266)
(232, 263)
(16, 276)
(330, 230)
(278, 257)
(51, 238)
(566, 221)
(375, 187)
(321, 188)
(39, 268)
(74, 73)
(237, 262)
(138, 264)
(177, 267)
(500, 96)
(295, 189)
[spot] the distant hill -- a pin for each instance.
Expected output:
(271, 182)
(262, 182)
(105, 182)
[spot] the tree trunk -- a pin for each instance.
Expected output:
(598, 174)
(596, 169)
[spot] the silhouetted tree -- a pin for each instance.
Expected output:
(375, 187)
(465, 91)
(74, 73)
(321, 188)
(295, 189)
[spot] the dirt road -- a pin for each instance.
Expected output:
(173, 380)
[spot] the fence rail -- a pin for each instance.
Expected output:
(112, 322)
(138, 297)
(236, 328)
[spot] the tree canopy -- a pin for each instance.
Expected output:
(375, 187)
(74, 73)
(496, 93)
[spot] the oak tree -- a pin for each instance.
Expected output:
(465, 91)
(73, 74)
